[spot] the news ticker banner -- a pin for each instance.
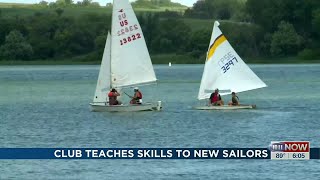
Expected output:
(280, 150)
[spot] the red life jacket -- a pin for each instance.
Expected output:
(112, 98)
(139, 95)
(215, 98)
(110, 94)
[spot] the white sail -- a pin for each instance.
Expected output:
(103, 84)
(131, 62)
(225, 70)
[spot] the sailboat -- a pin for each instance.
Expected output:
(226, 71)
(126, 61)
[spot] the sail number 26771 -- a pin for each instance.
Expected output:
(130, 39)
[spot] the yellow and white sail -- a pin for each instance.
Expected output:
(225, 70)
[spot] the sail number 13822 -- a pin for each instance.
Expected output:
(130, 39)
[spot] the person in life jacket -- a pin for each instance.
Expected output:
(137, 98)
(112, 95)
(215, 99)
(234, 100)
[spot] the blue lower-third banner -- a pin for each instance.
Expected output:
(159, 153)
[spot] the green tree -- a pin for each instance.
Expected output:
(16, 47)
(86, 2)
(316, 23)
(69, 2)
(172, 36)
(265, 13)
(223, 9)
(285, 41)
(218, 9)
(199, 42)
(43, 3)
(59, 11)
(61, 3)
(41, 32)
(199, 10)
(100, 43)
(5, 28)
(95, 4)
(52, 5)
(268, 13)
(149, 24)
(244, 37)
(314, 45)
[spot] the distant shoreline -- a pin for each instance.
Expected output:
(65, 62)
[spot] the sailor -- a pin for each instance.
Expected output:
(137, 97)
(113, 94)
(234, 100)
(215, 99)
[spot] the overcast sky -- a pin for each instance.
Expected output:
(102, 2)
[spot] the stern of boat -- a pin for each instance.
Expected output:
(158, 106)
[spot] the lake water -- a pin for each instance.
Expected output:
(47, 106)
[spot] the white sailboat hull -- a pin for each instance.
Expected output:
(99, 107)
(224, 107)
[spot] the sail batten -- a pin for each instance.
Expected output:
(225, 70)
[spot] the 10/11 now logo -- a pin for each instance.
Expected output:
(290, 150)
(290, 146)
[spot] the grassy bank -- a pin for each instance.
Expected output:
(163, 59)
(12, 9)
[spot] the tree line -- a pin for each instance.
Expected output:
(282, 27)
(255, 28)
(153, 4)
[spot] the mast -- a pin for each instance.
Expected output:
(110, 65)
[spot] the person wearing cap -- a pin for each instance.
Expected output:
(112, 95)
(234, 100)
(215, 99)
(137, 97)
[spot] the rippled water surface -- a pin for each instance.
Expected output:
(47, 106)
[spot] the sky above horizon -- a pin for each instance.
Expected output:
(101, 2)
